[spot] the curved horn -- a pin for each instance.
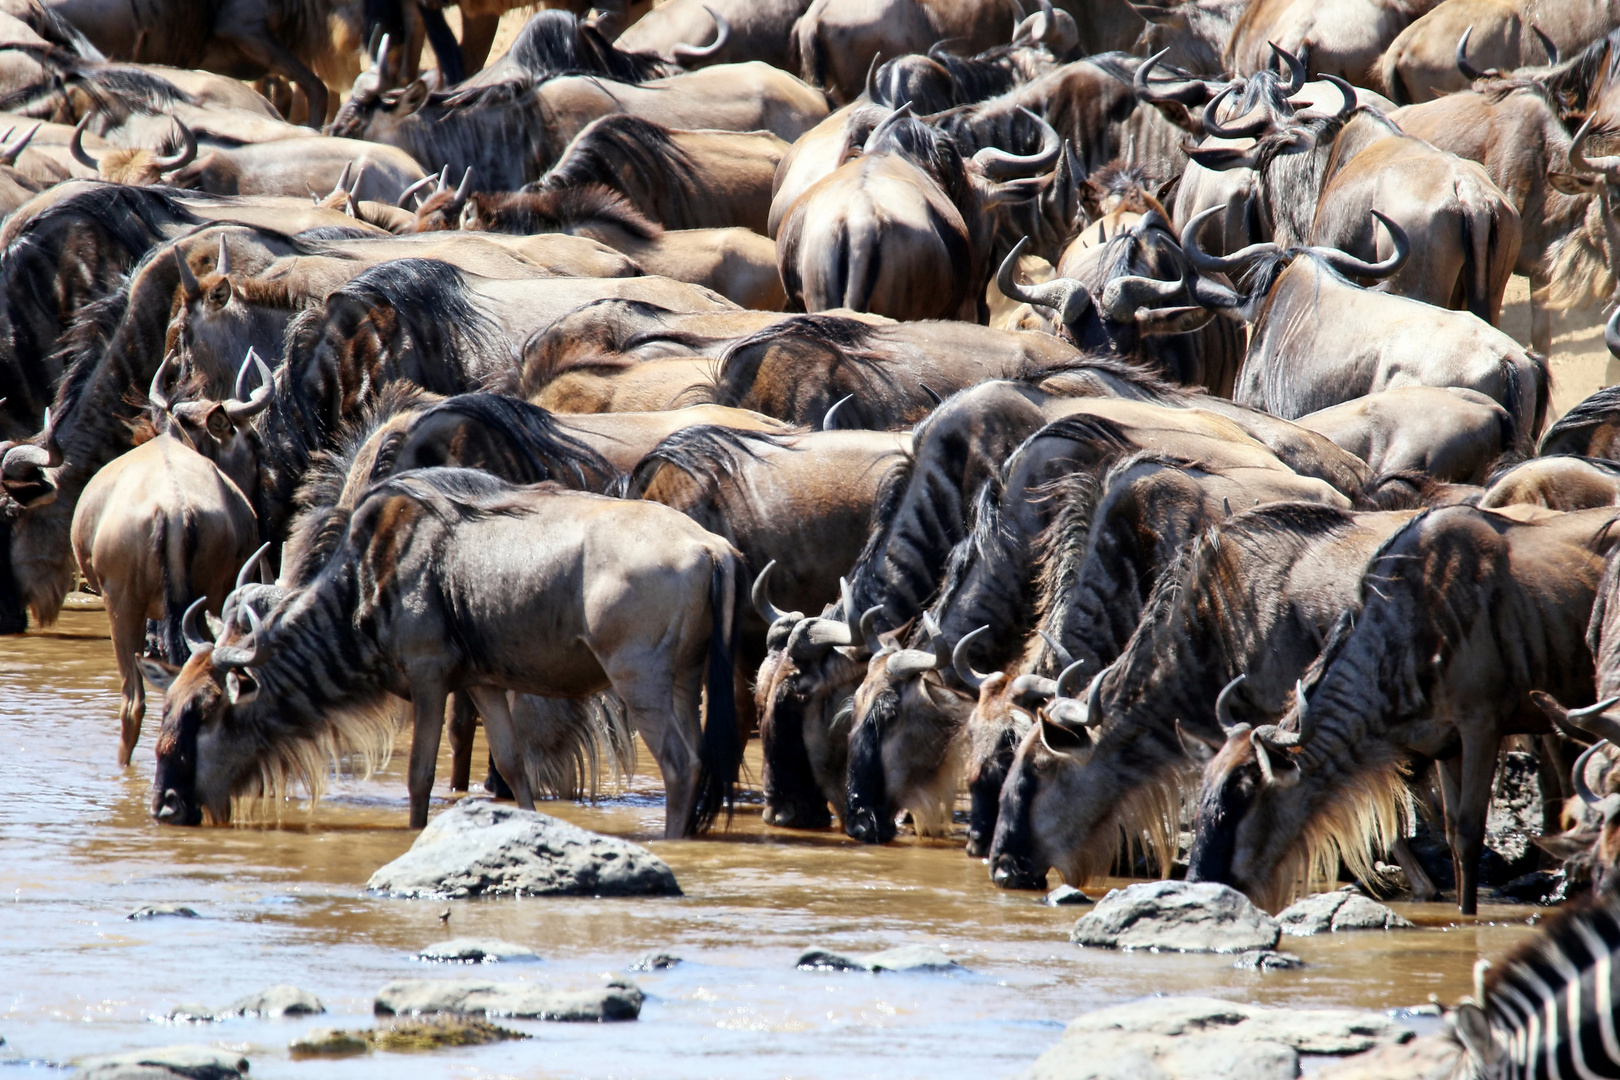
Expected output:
(871, 78)
(932, 394)
(1065, 296)
(1604, 166)
(1223, 705)
(886, 123)
(241, 411)
(1611, 333)
(342, 185)
(222, 261)
(1607, 805)
(244, 576)
(188, 150)
(76, 146)
(1350, 265)
(155, 393)
(10, 152)
(227, 657)
(936, 641)
(1469, 71)
(1048, 22)
(463, 189)
(846, 599)
(869, 630)
(959, 660)
(722, 34)
(1593, 721)
(1125, 295)
(443, 181)
(1297, 71)
(1548, 46)
(192, 632)
(829, 419)
(1251, 130)
(998, 164)
(381, 59)
(1066, 679)
(1187, 92)
(1347, 92)
(1262, 757)
(413, 189)
(1217, 264)
(188, 280)
(1059, 653)
(760, 594)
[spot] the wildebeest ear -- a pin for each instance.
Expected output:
(929, 688)
(411, 98)
(241, 687)
(158, 673)
(1575, 183)
(1020, 190)
(219, 423)
(1473, 1029)
(219, 294)
(1059, 739)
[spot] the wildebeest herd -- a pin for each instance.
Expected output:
(1100, 408)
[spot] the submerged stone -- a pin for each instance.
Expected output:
(433, 1033)
(1177, 916)
(328, 1042)
(1338, 912)
(476, 951)
(654, 961)
(904, 958)
(478, 848)
(1066, 896)
(273, 1003)
(160, 911)
(618, 1000)
(1268, 960)
(188, 1062)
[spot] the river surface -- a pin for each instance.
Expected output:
(286, 904)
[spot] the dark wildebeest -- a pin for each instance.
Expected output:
(680, 179)
(1297, 365)
(1557, 483)
(554, 43)
(1122, 514)
(760, 30)
(1462, 613)
(942, 80)
(1251, 600)
(1319, 180)
(904, 228)
(407, 576)
(511, 133)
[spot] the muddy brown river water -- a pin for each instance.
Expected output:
(286, 904)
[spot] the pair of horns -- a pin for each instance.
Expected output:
(1343, 262)
(1593, 720)
(25, 457)
(10, 150)
(1471, 73)
(188, 148)
(441, 183)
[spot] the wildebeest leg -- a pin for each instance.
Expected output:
(427, 708)
(463, 722)
(1467, 822)
(243, 28)
(503, 742)
(1540, 319)
(477, 36)
(665, 712)
(1553, 775)
(129, 638)
(1423, 888)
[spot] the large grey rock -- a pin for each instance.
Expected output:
(904, 958)
(1309, 1031)
(477, 848)
(618, 1000)
(1429, 1057)
(1337, 912)
(1065, 896)
(165, 1063)
(275, 1002)
(1177, 916)
(1267, 960)
(476, 951)
(1119, 1055)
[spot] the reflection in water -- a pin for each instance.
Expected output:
(284, 904)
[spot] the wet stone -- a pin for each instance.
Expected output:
(1429, 1057)
(161, 911)
(1176, 916)
(328, 1042)
(1538, 887)
(165, 1063)
(476, 951)
(618, 1000)
(654, 961)
(1268, 960)
(273, 1003)
(1338, 912)
(1065, 896)
(904, 958)
(479, 848)
(434, 1033)
(1118, 1055)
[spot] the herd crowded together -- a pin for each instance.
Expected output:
(1112, 420)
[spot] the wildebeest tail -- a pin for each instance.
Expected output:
(445, 47)
(1541, 375)
(720, 756)
(1482, 241)
(176, 567)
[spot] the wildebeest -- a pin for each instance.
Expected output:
(1462, 614)
(1562, 482)
(1445, 432)
(406, 578)
(1341, 37)
(1498, 35)
(160, 532)
(1252, 597)
(760, 29)
(511, 133)
(681, 179)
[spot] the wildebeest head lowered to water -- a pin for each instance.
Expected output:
(317, 676)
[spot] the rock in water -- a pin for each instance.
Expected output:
(1267, 960)
(329, 1042)
(160, 911)
(410, 1035)
(1207, 1039)
(1338, 911)
(476, 951)
(618, 1000)
(165, 1063)
(904, 958)
(1428, 1057)
(1177, 916)
(477, 848)
(655, 961)
(276, 1002)
(1065, 896)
